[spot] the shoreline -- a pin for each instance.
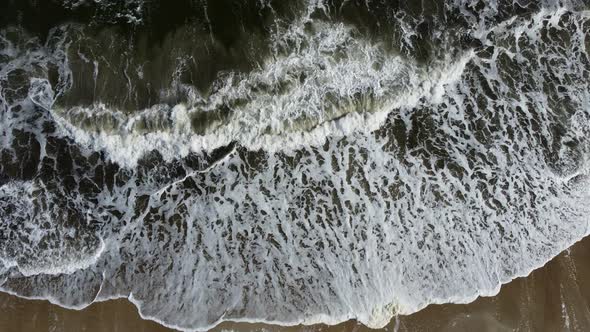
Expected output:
(555, 295)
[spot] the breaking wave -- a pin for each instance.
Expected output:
(330, 160)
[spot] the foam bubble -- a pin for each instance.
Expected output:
(39, 238)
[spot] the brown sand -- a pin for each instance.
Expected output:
(553, 298)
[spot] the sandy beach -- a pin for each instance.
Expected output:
(552, 298)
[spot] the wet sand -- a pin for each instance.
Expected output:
(552, 298)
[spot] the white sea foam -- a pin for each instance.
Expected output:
(39, 242)
(275, 120)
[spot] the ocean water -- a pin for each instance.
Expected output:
(289, 162)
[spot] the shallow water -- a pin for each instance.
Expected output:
(553, 298)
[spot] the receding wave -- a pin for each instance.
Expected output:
(327, 161)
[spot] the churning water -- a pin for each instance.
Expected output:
(289, 162)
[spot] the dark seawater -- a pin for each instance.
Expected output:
(289, 162)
